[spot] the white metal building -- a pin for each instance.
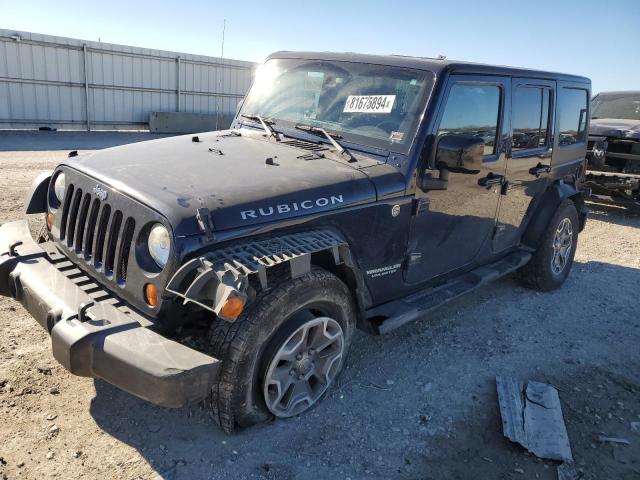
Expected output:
(75, 84)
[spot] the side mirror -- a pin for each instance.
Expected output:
(459, 154)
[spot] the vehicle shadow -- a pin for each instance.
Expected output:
(34, 140)
(387, 409)
(176, 443)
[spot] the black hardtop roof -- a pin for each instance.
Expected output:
(434, 65)
(620, 92)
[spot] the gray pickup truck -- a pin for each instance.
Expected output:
(614, 147)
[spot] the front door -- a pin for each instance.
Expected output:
(532, 120)
(451, 227)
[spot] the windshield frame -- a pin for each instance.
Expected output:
(600, 99)
(354, 141)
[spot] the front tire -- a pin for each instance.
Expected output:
(552, 261)
(287, 328)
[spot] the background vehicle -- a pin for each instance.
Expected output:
(614, 147)
(352, 191)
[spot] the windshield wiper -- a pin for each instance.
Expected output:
(267, 124)
(332, 137)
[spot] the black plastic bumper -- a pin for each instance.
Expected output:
(95, 338)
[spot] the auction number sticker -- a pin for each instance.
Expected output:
(369, 103)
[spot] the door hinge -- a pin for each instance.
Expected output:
(413, 260)
(499, 230)
(420, 205)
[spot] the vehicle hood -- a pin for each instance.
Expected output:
(615, 127)
(230, 176)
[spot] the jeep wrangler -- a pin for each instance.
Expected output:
(350, 191)
(613, 149)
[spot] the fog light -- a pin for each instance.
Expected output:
(232, 308)
(151, 294)
(49, 221)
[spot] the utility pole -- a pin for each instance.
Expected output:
(224, 26)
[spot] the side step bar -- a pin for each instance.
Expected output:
(408, 309)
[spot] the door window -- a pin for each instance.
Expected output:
(472, 110)
(572, 112)
(530, 117)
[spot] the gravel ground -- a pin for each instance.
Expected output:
(419, 403)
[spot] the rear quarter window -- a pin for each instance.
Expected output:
(572, 115)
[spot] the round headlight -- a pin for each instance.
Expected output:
(59, 185)
(159, 244)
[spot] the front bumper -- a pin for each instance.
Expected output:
(93, 334)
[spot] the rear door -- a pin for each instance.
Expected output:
(532, 120)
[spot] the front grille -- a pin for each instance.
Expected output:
(619, 147)
(96, 232)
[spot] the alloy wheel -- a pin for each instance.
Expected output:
(304, 366)
(562, 245)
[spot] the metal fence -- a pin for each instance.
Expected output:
(74, 84)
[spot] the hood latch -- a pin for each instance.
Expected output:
(205, 224)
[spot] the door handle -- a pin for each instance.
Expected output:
(491, 180)
(539, 169)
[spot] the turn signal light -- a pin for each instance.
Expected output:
(232, 308)
(49, 221)
(151, 294)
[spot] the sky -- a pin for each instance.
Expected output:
(597, 39)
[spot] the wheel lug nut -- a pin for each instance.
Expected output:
(311, 351)
(299, 356)
(292, 372)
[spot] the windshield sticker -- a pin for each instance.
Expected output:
(396, 136)
(369, 103)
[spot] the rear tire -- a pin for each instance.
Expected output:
(551, 263)
(247, 347)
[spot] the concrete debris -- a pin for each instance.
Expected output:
(604, 439)
(532, 417)
(568, 471)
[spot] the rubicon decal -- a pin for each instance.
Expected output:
(284, 208)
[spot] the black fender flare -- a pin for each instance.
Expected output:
(211, 277)
(555, 194)
(36, 199)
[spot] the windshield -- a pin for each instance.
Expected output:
(623, 106)
(373, 105)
